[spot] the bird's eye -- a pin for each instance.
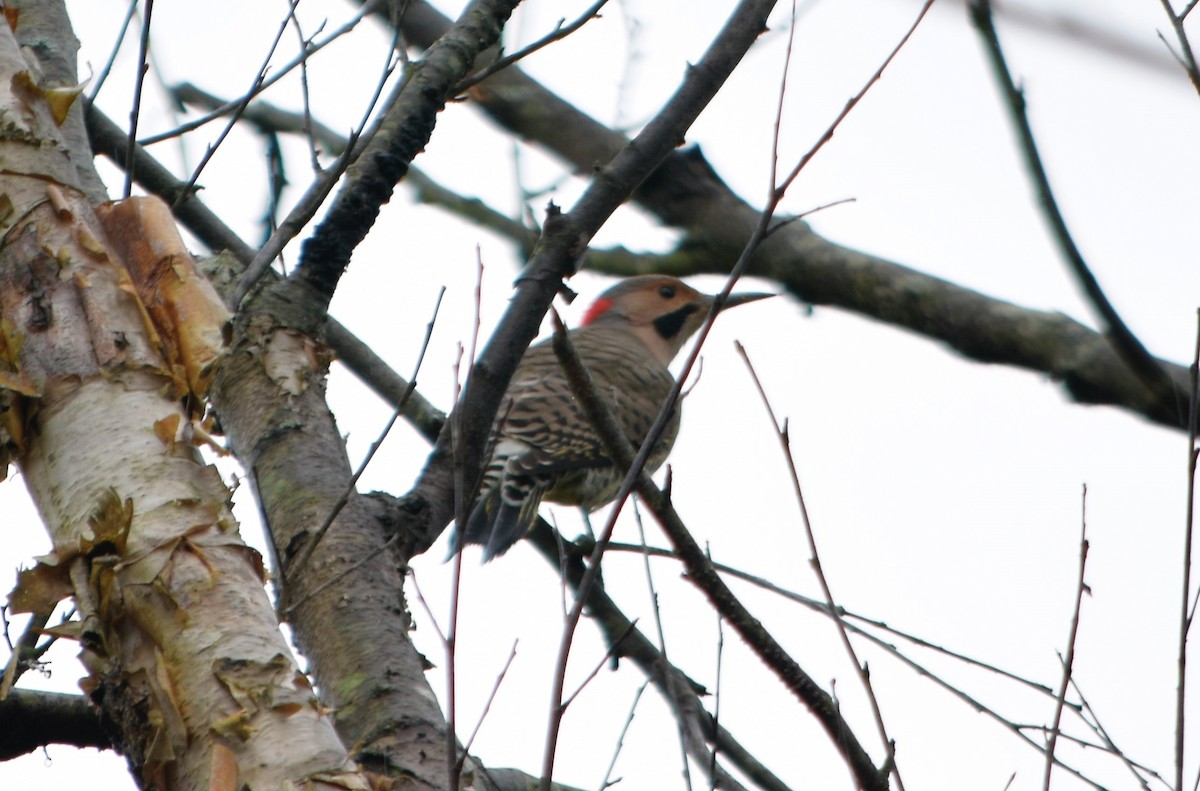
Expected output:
(667, 292)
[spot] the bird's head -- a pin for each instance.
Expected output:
(662, 311)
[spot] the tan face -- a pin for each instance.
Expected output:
(640, 300)
(662, 311)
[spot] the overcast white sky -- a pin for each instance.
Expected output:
(945, 494)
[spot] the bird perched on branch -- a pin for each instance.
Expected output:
(542, 445)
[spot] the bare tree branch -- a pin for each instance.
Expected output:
(1068, 659)
(143, 53)
(1166, 390)
(1187, 610)
(30, 720)
(1186, 58)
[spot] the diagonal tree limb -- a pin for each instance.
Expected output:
(1127, 345)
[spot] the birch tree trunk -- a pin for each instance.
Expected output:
(108, 339)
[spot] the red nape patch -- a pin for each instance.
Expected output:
(597, 310)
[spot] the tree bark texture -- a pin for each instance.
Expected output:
(186, 661)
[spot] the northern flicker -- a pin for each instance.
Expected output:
(542, 446)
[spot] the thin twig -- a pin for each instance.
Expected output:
(461, 503)
(780, 188)
(1185, 616)
(612, 764)
(596, 668)
(662, 640)
(135, 111)
(860, 667)
(278, 74)
(780, 103)
(1087, 711)
(102, 75)
(1068, 662)
(1186, 57)
(412, 575)
(560, 32)
(487, 706)
(450, 641)
(211, 149)
(276, 177)
(313, 198)
(305, 95)
(712, 771)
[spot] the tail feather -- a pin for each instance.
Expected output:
(497, 524)
(510, 526)
(476, 529)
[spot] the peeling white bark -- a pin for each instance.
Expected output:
(176, 623)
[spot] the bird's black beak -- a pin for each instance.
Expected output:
(741, 299)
